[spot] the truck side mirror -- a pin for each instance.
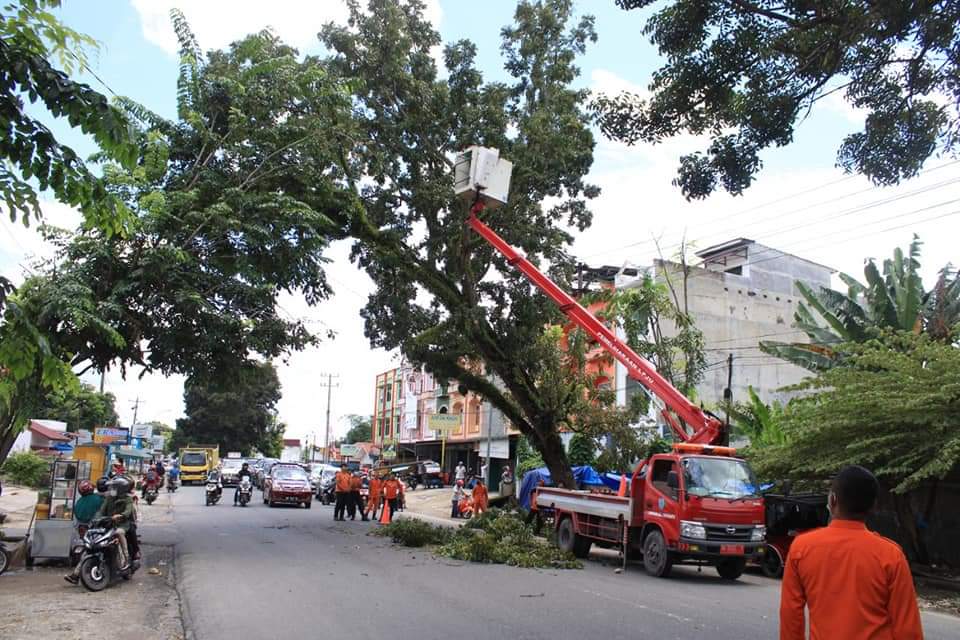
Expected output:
(673, 480)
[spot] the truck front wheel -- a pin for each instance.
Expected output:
(656, 556)
(732, 568)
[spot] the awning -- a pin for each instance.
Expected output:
(130, 452)
(48, 433)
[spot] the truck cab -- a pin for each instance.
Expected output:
(194, 465)
(699, 505)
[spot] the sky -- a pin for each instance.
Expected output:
(800, 202)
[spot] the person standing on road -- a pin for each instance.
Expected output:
(455, 499)
(460, 473)
(856, 583)
(353, 502)
(373, 498)
(342, 492)
(480, 496)
(391, 492)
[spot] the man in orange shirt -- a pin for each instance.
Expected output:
(391, 491)
(856, 583)
(373, 500)
(342, 492)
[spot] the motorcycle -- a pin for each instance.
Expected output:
(325, 494)
(213, 493)
(465, 506)
(100, 556)
(246, 490)
(150, 495)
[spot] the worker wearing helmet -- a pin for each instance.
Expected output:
(84, 510)
(119, 507)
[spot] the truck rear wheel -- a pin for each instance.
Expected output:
(732, 568)
(656, 556)
(570, 541)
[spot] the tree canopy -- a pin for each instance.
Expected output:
(237, 411)
(360, 429)
(442, 295)
(81, 407)
(744, 73)
(37, 56)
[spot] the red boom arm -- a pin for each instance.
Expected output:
(707, 429)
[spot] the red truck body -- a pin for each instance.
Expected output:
(696, 504)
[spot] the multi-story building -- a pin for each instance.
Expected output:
(742, 292)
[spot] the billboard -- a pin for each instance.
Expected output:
(141, 431)
(349, 451)
(158, 442)
(444, 422)
(411, 387)
(84, 436)
(104, 435)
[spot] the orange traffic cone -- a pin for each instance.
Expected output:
(385, 515)
(622, 491)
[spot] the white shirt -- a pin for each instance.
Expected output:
(461, 472)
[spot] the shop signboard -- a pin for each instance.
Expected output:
(158, 442)
(444, 422)
(141, 431)
(84, 436)
(499, 448)
(104, 435)
(349, 451)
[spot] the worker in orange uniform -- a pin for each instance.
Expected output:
(481, 498)
(342, 492)
(373, 500)
(354, 503)
(856, 583)
(391, 492)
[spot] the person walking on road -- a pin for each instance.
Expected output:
(391, 492)
(342, 492)
(856, 584)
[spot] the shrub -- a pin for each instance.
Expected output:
(26, 468)
(503, 538)
(414, 533)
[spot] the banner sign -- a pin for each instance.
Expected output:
(444, 422)
(411, 383)
(349, 451)
(84, 436)
(141, 431)
(103, 435)
(158, 442)
(499, 448)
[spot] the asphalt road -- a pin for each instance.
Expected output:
(271, 574)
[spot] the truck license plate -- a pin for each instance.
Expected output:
(733, 549)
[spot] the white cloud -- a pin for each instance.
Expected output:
(217, 23)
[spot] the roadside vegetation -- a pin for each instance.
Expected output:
(495, 537)
(25, 468)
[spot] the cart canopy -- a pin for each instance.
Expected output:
(583, 476)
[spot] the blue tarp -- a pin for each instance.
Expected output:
(583, 476)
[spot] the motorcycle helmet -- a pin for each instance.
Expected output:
(103, 484)
(122, 484)
(85, 488)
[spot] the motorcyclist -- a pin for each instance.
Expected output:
(151, 480)
(119, 507)
(214, 477)
(160, 471)
(84, 510)
(244, 472)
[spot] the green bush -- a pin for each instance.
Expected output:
(26, 468)
(414, 533)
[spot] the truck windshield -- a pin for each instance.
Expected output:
(194, 459)
(718, 478)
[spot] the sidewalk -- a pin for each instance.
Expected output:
(18, 504)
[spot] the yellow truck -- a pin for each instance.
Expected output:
(197, 460)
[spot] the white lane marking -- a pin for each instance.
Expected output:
(637, 605)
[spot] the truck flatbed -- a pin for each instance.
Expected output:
(601, 505)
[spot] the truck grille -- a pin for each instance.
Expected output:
(728, 533)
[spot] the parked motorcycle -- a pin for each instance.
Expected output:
(246, 491)
(213, 493)
(150, 494)
(100, 559)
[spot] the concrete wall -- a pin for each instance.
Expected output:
(736, 312)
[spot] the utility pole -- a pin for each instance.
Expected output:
(486, 479)
(136, 406)
(728, 399)
(103, 378)
(329, 384)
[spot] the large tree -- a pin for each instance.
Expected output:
(81, 407)
(360, 429)
(745, 72)
(892, 406)
(238, 411)
(230, 202)
(442, 295)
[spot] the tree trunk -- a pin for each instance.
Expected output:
(916, 548)
(554, 456)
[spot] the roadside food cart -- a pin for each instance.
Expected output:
(51, 535)
(96, 455)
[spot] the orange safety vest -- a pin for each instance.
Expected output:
(392, 489)
(356, 484)
(480, 497)
(375, 488)
(343, 482)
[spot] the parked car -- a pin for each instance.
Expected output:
(262, 471)
(287, 483)
(229, 471)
